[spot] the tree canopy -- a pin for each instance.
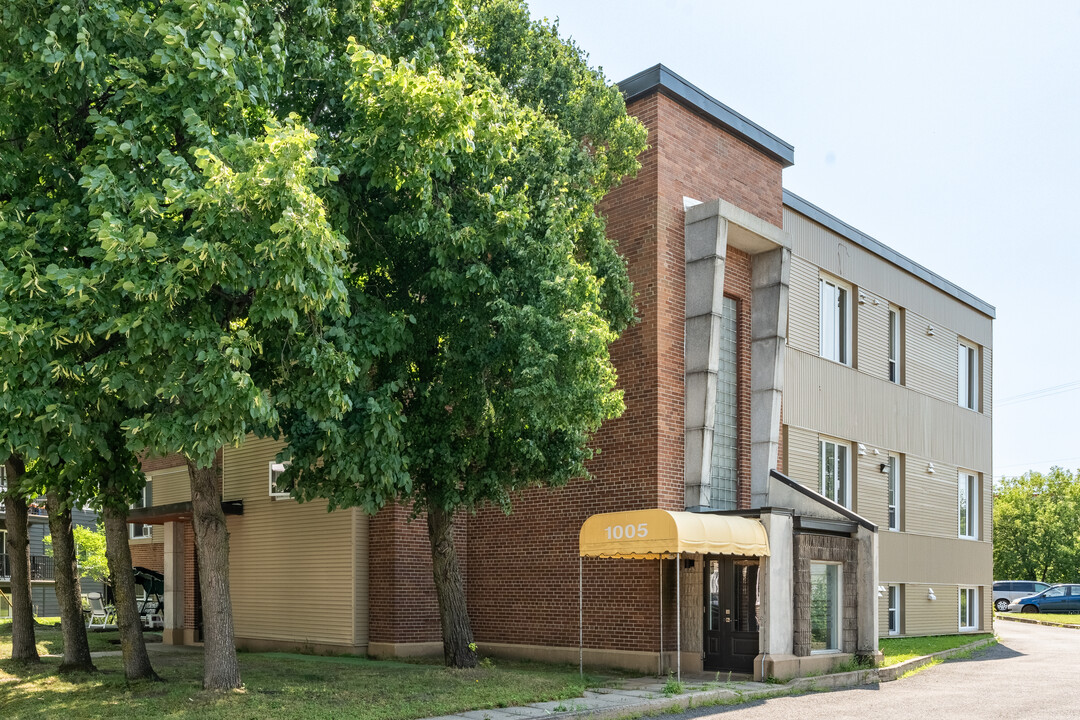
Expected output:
(1037, 527)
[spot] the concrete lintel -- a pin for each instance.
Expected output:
(745, 231)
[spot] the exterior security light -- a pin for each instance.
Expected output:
(930, 595)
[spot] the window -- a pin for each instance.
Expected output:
(835, 321)
(137, 531)
(723, 475)
(894, 609)
(968, 505)
(825, 610)
(276, 469)
(835, 472)
(894, 491)
(894, 344)
(968, 375)
(969, 608)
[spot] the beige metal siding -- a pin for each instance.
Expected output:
(931, 500)
(839, 256)
(931, 359)
(170, 485)
(872, 334)
(872, 492)
(841, 402)
(804, 296)
(908, 558)
(987, 380)
(802, 463)
(932, 617)
(295, 569)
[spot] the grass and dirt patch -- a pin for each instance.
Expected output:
(1052, 618)
(276, 685)
(898, 650)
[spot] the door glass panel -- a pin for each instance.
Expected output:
(714, 594)
(746, 598)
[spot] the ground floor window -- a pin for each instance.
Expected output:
(825, 611)
(969, 608)
(894, 609)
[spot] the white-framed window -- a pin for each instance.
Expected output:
(967, 375)
(968, 505)
(893, 471)
(137, 531)
(276, 469)
(3, 484)
(835, 321)
(835, 465)
(894, 609)
(825, 607)
(969, 608)
(894, 344)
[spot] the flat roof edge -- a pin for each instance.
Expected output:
(877, 247)
(660, 78)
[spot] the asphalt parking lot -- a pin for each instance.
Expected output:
(1033, 672)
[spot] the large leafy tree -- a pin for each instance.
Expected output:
(1037, 527)
(474, 147)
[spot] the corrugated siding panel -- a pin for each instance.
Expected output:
(910, 558)
(871, 334)
(841, 257)
(802, 457)
(841, 402)
(804, 332)
(360, 576)
(872, 489)
(170, 485)
(987, 381)
(931, 359)
(932, 617)
(292, 565)
(931, 500)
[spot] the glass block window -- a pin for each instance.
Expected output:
(723, 475)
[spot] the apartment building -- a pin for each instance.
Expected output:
(800, 468)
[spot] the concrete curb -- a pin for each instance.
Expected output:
(1033, 620)
(893, 672)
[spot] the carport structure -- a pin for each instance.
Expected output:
(659, 535)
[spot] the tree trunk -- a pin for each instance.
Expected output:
(136, 661)
(221, 669)
(23, 640)
(450, 589)
(68, 593)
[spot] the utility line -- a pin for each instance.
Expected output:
(1041, 393)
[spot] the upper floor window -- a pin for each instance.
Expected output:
(893, 470)
(138, 530)
(894, 344)
(968, 375)
(835, 472)
(968, 505)
(276, 470)
(835, 321)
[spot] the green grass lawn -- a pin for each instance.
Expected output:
(1055, 618)
(898, 650)
(276, 685)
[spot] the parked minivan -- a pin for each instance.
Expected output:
(1008, 591)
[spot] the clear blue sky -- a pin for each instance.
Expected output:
(949, 131)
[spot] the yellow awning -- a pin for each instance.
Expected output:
(651, 534)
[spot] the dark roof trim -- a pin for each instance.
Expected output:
(821, 499)
(182, 511)
(660, 79)
(821, 525)
(860, 238)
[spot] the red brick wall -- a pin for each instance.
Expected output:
(522, 582)
(148, 555)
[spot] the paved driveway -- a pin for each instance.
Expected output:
(1034, 672)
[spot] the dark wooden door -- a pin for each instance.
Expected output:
(731, 620)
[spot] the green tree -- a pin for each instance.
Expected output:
(89, 552)
(484, 290)
(1037, 527)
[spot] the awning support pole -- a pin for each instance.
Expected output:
(678, 615)
(660, 660)
(580, 620)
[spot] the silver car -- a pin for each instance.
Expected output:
(1007, 592)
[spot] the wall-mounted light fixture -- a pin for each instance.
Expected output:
(930, 468)
(876, 451)
(881, 591)
(862, 298)
(930, 595)
(862, 449)
(930, 330)
(884, 467)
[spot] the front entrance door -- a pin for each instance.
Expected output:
(731, 621)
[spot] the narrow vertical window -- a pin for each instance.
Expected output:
(894, 491)
(894, 344)
(835, 472)
(137, 531)
(825, 610)
(894, 609)
(968, 508)
(967, 381)
(723, 474)
(276, 470)
(969, 609)
(835, 304)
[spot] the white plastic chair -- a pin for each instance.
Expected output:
(101, 616)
